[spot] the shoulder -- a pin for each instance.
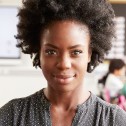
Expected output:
(102, 103)
(15, 107)
(24, 100)
(111, 112)
(103, 106)
(120, 118)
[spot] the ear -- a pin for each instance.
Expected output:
(89, 54)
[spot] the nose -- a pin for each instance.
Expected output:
(64, 62)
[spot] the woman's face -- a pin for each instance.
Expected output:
(121, 72)
(64, 54)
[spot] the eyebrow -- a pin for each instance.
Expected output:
(50, 45)
(71, 47)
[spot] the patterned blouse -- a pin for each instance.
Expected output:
(34, 110)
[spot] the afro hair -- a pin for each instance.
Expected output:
(35, 15)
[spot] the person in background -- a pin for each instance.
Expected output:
(66, 39)
(112, 82)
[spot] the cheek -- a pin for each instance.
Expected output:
(46, 65)
(43, 60)
(46, 70)
(43, 64)
(82, 66)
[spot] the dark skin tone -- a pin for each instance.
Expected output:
(64, 56)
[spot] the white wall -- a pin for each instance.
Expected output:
(10, 2)
(19, 81)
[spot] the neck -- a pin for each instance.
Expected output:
(67, 100)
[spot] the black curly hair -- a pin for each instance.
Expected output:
(35, 15)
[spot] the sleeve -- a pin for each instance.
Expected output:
(6, 114)
(120, 118)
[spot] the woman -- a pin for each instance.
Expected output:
(66, 38)
(112, 82)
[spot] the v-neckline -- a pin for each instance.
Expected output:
(81, 108)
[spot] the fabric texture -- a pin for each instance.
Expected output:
(34, 110)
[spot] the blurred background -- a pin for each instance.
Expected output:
(17, 76)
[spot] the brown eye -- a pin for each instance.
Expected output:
(50, 52)
(76, 52)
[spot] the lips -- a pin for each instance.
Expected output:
(63, 76)
(63, 79)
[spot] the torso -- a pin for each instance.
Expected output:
(35, 110)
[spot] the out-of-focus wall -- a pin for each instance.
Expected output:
(118, 1)
(10, 2)
(16, 82)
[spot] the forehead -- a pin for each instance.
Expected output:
(66, 31)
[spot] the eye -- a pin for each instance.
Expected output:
(50, 52)
(76, 52)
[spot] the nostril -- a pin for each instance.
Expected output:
(64, 61)
(64, 64)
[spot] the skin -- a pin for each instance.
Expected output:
(64, 56)
(120, 72)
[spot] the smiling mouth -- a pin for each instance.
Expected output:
(64, 76)
(64, 79)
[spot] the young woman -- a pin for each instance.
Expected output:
(111, 81)
(66, 39)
